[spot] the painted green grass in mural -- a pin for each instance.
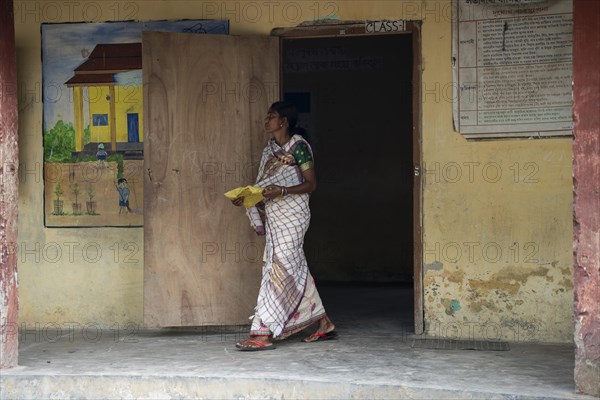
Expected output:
(59, 145)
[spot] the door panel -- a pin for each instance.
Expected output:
(205, 98)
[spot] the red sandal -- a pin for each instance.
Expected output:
(321, 336)
(258, 346)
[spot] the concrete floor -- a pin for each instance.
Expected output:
(372, 359)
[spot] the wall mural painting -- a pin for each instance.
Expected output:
(93, 122)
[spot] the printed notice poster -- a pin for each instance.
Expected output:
(512, 67)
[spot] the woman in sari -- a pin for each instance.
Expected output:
(288, 300)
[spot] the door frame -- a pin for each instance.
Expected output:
(358, 28)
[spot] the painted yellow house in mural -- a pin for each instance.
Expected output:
(109, 83)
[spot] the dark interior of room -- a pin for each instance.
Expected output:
(354, 97)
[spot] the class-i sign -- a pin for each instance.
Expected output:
(385, 26)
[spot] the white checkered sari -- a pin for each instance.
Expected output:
(285, 270)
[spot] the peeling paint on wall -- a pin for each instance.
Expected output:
(447, 303)
(477, 306)
(434, 266)
(457, 276)
(509, 279)
(495, 300)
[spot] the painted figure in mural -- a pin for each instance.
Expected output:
(288, 300)
(123, 190)
(101, 155)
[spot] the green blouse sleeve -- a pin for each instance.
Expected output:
(303, 156)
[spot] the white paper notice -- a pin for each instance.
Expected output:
(512, 66)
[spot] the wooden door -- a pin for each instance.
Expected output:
(205, 98)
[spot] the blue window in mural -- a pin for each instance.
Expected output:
(100, 119)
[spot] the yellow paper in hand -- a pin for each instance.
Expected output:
(252, 195)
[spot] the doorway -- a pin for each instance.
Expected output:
(374, 156)
(355, 98)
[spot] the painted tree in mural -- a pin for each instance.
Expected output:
(58, 203)
(59, 142)
(76, 204)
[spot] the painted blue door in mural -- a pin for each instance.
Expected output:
(133, 128)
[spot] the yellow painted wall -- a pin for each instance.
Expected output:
(524, 295)
(129, 101)
(98, 104)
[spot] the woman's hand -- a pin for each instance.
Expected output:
(238, 202)
(272, 192)
(260, 230)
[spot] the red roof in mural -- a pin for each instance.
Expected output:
(90, 78)
(107, 59)
(111, 57)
